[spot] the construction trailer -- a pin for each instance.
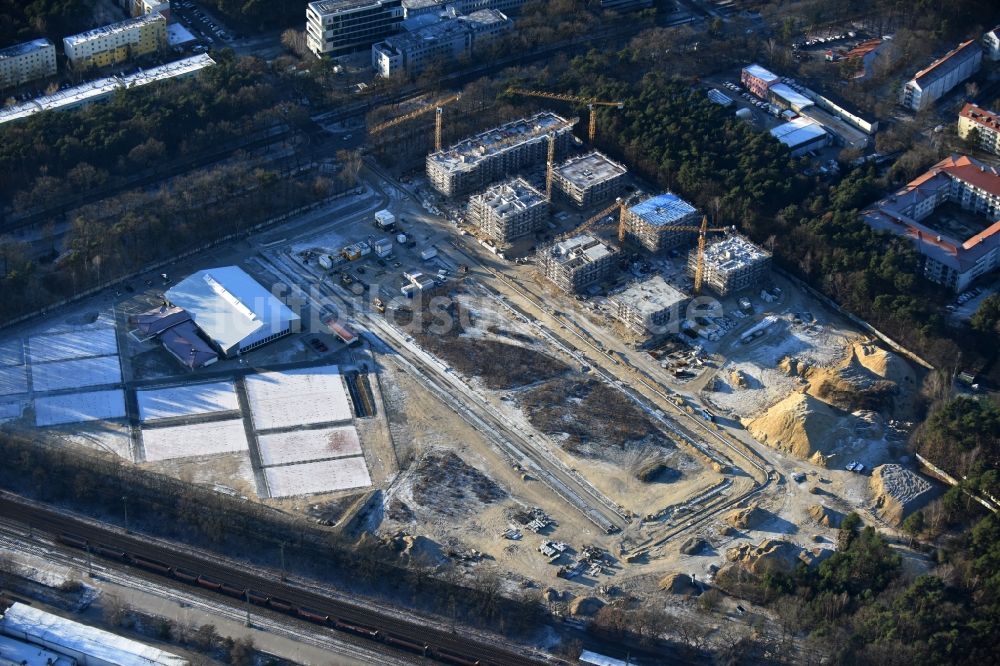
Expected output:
(732, 264)
(577, 263)
(509, 210)
(588, 180)
(495, 154)
(649, 222)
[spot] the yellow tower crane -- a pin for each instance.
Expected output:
(619, 205)
(590, 102)
(438, 109)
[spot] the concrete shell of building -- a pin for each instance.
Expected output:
(652, 306)
(340, 27)
(648, 222)
(758, 80)
(25, 62)
(116, 43)
(509, 210)
(577, 263)
(949, 259)
(495, 154)
(731, 264)
(588, 180)
(980, 126)
(931, 83)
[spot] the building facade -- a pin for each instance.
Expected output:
(651, 307)
(142, 7)
(954, 256)
(339, 27)
(649, 222)
(980, 126)
(931, 83)
(407, 54)
(732, 264)
(509, 211)
(25, 62)
(991, 43)
(578, 263)
(758, 80)
(117, 43)
(495, 154)
(588, 180)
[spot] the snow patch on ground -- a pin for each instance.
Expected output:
(187, 400)
(198, 439)
(78, 373)
(317, 477)
(77, 344)
(298, 397)
(78, 407)
(13, 379)
(306, 445)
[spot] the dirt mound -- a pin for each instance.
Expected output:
(770, 555)
(884, 363)
(447, 484)
(738, 379)
(793, 367)
(585, 605)
(898, 492)
(747, 518)
(812, 557)
(693, 546)
(677, 583)
(416, 549)
(825, 516)
(801, 425)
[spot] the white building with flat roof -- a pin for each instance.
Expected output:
(25, 62)
(232, 309)
(801, 135)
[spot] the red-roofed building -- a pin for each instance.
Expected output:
(980, 126)
(931, 83)
(953, 257)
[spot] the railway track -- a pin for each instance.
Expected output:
(135, 551)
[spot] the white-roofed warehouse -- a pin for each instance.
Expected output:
(232, 309)
(801, 135)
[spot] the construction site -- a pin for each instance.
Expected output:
(651, 306)
(588, 180)
(731, 264)
(648, 224)
(509, 210)
(578, 263)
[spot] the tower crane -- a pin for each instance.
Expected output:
(590, 102)
(437, 107)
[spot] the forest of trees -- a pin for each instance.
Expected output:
(262, 15)
(23, 20)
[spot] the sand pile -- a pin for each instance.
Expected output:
(738, 379)
(677, 583)
(585, 605)
(793, 367)
(693, 546)
(884, 363)
(825, 516)
(801, 425)
(897, 492)
(769, 555)
(747, 518)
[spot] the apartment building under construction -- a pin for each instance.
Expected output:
(495, 154)
(577, 263)
(649, 222)
(732, 264)
(588, 180)
(509, 210)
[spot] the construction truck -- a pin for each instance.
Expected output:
(379, 305)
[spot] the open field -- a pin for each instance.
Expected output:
(78, 407)
(317, 477)
(77, 373)
(199, 439)
(187, 400)
(78, 344)
(307, 445)
(298, 397)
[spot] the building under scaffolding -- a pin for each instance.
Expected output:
(588, 180)
(508, 211)
(732, 264)
(652, 306)
(577, 263)
(487, 157)
(647, 223)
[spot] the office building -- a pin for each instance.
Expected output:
(649, 222)
(508, 211)
(801, 135)
(578, 263)
(930, 84)
(758, 80)
(981, 127)
(25, 62)
(651, 307)
(588, 180)
(495, 154)
(952, 215)
(413, 8)
(731, 264)
(339, 27)
(116, 43)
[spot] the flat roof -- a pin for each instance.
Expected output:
(590, 169)
(467, 153)
(228, 305)
(733, 252)
(663, 209)
(947, 63)
(333, 6)
(759, 72)
(113, 28)
(21, 620)
(511, 197)
(798, 132)
(794, 98)
(719, 97)
(438, 30)
(18, 653)
(585, 248)
(651, 296)
(25, 48)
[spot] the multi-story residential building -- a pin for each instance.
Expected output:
(652, 306)
(649, 223)
(25, 62)
(932, 82)
(339, 27)
(956, 251)
(407, 54)
(118, 42)
(495, 154)
(577, 263)
(508, 211)
(991, 42)
(413, 8)
(980, 126)
(731, 264)
(758, 80)
(143, 7)
(588, 180)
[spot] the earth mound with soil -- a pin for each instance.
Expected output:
(897, 492)
(677, 583)
(770, 555)
(825, 516)
(801, 425)
(747, 518)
